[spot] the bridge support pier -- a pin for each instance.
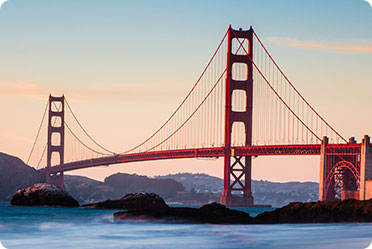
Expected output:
(323, 169)
(241, 171)
(365, 187)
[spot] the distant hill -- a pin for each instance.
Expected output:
(280, 194)
(86, 190)
(201, 183)
(264, 192)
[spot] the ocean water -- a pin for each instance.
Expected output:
(47, 227)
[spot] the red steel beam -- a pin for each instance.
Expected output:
(272, 150)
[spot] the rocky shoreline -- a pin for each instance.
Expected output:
(146, 206)
(150, 206)
(319, 212)
(214, 213)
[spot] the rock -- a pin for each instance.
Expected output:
(43, 194)
(136, 201)
(143, 201)
(213, 213)
(319, 212)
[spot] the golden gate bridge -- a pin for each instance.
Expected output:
(241, 106)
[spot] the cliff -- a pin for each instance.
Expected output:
(15, 174)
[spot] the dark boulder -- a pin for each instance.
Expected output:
(137, 201)
(143, 201)
(213, 213)
(319, 212)
(43, 194)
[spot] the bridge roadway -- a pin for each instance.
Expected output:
(312, 149)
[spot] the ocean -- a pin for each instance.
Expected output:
(52, 227)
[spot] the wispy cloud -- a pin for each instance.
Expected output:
(364, 48)
(126, 91)
(21, 89)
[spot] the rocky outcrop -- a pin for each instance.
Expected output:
(143, 201)
(213, 213)
(43, 194)
(296, 212)
(319, 212)
(138, 201)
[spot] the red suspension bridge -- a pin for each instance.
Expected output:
(242, 105)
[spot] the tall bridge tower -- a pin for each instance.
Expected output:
(238, 192)
(56, 138)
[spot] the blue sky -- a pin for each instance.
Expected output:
(109, 56)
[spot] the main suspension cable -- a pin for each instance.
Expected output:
(294, 88)
(184, 100)
(192, 114)
(38, 132)
(276, 93)
(86, 133)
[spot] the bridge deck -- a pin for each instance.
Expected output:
(312, 149)
(285, 150)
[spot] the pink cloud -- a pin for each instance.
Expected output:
(120, 91)
(364, 48)
(21, 89)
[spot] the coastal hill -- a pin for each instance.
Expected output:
(15, 174)
(265, 192)
(182, 188)
(86, 190)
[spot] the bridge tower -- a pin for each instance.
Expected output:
(237, 173)
(56, 138)
(346, 173)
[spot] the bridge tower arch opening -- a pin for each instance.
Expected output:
(237, 169)
(56, 139)
(345, 171)
(342, 182)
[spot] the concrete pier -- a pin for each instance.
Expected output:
(365, 187)
(323, 169)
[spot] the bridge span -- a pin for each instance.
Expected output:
(242, 106)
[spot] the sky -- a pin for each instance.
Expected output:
(125, 66)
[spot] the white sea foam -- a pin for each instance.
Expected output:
(1, 3)
(1, 246)
(370, 3)
(49, 225)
